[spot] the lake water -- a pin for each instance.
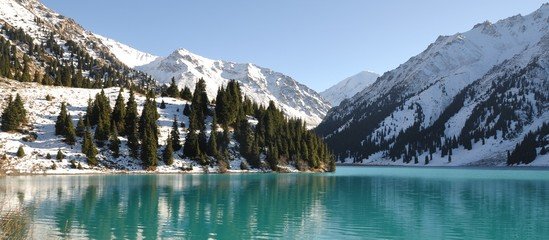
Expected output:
(353, 203)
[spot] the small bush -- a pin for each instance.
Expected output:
(73, 164)
(20, 152)
(49, 98)
(244, 165)
(223, 166)
(54, 166)
(79, 166)
(48, 156)
(60, 156)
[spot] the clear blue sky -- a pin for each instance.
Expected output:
(318, 42)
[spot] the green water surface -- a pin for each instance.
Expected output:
(353, 203)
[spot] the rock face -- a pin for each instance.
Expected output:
(259, 84)
(348, 87)
(490, 81)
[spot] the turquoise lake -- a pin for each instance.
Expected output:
(353, 203)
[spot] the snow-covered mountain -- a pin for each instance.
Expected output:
(39, 22)
(259, 84)
(126, 54)
(447, 91)
(348, 87)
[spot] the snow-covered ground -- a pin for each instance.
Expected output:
(42, 115)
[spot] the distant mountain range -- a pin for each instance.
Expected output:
(348, 87)
(472, 95)
(259, 84)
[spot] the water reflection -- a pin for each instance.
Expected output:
(301, 206)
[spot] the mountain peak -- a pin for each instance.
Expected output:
(259, 84)
(348, 87)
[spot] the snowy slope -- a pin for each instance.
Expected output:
(42, 115)
(259, 84)
(39, 22)
(422, 88)
(349, 87)
(126, 54)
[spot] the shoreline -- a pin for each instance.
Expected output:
(446, 167)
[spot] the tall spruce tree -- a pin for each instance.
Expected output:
(114, 143)
(131, 128)
(119, 112)
(80, 127)
(186, 94)
(60, 127)
(172, 90)
(167, 155)
(199, 106)
(102, 132)
(176, 141)
(212, 144)
(191, 147)
(70, 132)
(14, 115)
(149, 132)
(89, 149)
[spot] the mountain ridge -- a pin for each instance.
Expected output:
(348, 87)
(260, 84)
(415, 95)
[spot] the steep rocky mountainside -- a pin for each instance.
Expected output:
(488, 83)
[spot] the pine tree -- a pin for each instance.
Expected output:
(9, 119)
(101, 109)
(186, 94)
(14, 115)
(80, 127)
(199, 106)
(203, 159)
(426, 160)
(212, 144)
(176, 141)
(190, 148)
(172, 90)
(133, 143)
(149, 147)
(132, 126)
(114, 143)
(102, 132)
(162, 105)
(89, 149)
(119, 112)
(70, 132)
(60, 128)
(149, 132)
(187, 110)
(167, 155)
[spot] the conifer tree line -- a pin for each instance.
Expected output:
(526, 151)
(273, 141)
(173, 91)
(48, 64)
